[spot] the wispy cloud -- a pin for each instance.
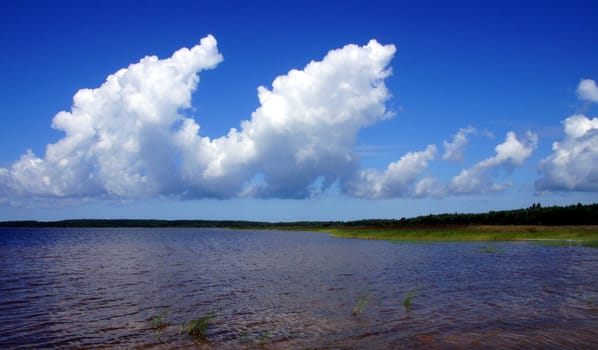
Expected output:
(587, 90)
(454, 150)
(480, 177)
(396, 181)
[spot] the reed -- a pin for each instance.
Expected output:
(159, 323)
(488, 249)
(197, 328)
(257, 340)
(408, 301)
(362, 302)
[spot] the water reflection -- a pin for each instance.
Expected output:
(102, 287)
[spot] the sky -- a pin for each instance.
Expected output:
(284, 111)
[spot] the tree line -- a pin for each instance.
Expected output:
(536, 214)
(578, 214)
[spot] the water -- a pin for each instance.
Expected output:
(90, 288)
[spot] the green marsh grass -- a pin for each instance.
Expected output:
(568, 243)
(590, 243)
(468, 233)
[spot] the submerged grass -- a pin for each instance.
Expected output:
(257, 340)
(159, 323)
(197, 328)
(408, 301)
(470, 233)
(362, 302)
(488, 249)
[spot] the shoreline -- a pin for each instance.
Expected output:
(405, 233)
(468, 233)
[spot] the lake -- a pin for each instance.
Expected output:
(89, 288)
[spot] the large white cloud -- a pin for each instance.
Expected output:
(573, 165)
(480, 177)
(305, 129)
(129, 139)
(118, 138)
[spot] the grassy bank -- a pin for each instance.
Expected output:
(467, 233)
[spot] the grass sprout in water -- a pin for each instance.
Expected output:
(591, 299)
(260, 339)
(197, 328)
(159, 323)
(362, 302)
(408, 301)
(488, 249)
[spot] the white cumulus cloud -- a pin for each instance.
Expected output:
(129, 139)
(573, 165)
(305, 130)
(480, 177)
(117, 137)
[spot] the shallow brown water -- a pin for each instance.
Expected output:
(100, 288)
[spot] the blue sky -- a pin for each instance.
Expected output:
(510, 75)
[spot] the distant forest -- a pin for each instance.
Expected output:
(535, 215)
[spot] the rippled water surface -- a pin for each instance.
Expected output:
(90, 288)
